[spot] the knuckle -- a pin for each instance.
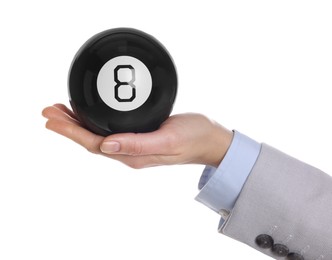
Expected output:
(93, 146)
(91, 149)
(173, 143)
(135, 164)
(136, 148)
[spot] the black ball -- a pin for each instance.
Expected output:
(122, 80)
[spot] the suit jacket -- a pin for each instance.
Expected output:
(284, 209)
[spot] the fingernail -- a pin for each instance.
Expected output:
(110, 147)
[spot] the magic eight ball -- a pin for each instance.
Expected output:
(122, 80)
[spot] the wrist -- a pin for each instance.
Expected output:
(216, 145)
(223, 139)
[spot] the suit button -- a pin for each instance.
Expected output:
(280, 250)
(294, 256)
(264, 241)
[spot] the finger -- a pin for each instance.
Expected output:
(155, 143)
(66, 110)
(76, 133)
(54, 112)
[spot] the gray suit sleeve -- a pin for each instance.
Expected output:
(285, 208)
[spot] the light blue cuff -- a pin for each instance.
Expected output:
(220, 187)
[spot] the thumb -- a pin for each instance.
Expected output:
(137, 144)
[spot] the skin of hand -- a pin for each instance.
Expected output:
(182, 139)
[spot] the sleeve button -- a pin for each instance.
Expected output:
(264, 241)
(280, 250)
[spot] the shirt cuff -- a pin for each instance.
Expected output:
(220, 187)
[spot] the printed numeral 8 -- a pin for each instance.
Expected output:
(120, 83)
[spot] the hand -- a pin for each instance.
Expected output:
(181, 139)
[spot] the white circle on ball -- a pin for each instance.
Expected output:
(124, 83)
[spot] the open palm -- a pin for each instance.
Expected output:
(182, 138)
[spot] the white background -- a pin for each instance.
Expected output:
(261, 67)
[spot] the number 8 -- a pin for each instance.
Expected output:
(120, 83)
